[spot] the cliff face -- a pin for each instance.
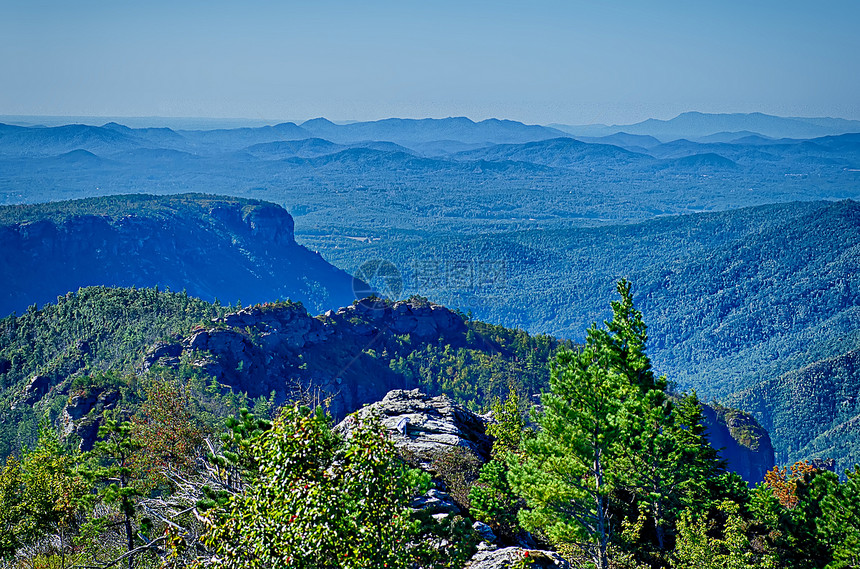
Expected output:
(743, 443)
(212, 247)
(281, 349)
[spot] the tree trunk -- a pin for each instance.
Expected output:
(602, 559)
(658, 525)
(129, 533)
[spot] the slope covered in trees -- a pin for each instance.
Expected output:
(213, 247)
(614, 471)
(732, 298)
(812, 412)
(59, 362)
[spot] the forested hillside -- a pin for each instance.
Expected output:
(65, 362)
(813, 411)
(732, 298)
(268, 353)
(213, 247)
(93, 330)
(127, 464)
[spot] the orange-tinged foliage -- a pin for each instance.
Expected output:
(167, 428)
(783, 481)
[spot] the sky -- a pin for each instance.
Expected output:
(570, 62)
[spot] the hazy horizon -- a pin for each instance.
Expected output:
(204, 123)
(575, 63)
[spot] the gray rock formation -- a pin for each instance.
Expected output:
(425, 428)
(743, 443)
(485, 532)
(37, 387)
(435, 501)
(514, 557)
(212, 247)
(281, 348)
(82, 415)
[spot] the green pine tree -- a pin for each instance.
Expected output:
(112, 468)
(570, 469)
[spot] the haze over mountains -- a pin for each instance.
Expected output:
(529, 226)
(699, 125)
(442, 172)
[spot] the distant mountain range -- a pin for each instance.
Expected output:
(501, 171)
(735, 298)
(460, 132)
(695, 125)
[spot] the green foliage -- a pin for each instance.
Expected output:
(118, 481)
(567, 476)
(491, 498)
(84, 334)
(40, 495)
(616, 464)
(730, 549)
(318, 500)
(509, 425)
(839, 523)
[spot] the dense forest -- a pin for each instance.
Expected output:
(86, 342)
(612, 469)
(733, 299)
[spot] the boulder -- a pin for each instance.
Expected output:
(435, 502)
(88, 431)
(80, 405)
(425, 429)
(515, 557)
(485, 532)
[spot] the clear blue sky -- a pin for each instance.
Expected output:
(569, 61)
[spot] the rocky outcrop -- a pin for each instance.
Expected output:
(82, 415)
(35, 389)
(280, 348)
(516, 557)
(743, 443)
(425, 428)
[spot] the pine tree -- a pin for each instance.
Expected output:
(491, 498)
(613, 446)
(112, 467)
(569, 472)
(839, 524)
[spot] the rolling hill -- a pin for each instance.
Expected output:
(732, 299)
(812, 412)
